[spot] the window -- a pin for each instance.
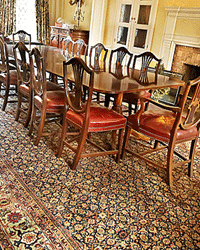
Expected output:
(26, 17)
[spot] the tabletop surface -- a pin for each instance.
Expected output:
(107, 81)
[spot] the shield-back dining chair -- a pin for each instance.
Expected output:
(168, 126)
(87, 118)
(145, 59)
(21, 54)
(49, 102)
(21, 36)
(8, 76)
(119, 58)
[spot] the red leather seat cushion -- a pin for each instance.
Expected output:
(158, 125)
(55, 101)
(101, 119)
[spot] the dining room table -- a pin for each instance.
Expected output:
(107, 79)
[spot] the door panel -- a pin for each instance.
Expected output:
(134, 24)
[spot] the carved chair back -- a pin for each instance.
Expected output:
(22, 61)
(97, 53)
(79, 48)
(38, 76)
(22, 36)
(67, 45)
(118, 56)
(190, 105)
(145, 60)
(77, 69)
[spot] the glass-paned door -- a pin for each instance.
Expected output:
(124, 22)
(134, 24)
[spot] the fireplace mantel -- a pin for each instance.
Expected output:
(170, 40)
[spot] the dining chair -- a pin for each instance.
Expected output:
(67, 45)
(54, 40)
(48, 102)
(143, 61)
(21, 36)
(98, 53)
(168, 126)
(79, 48)
(86, 117)
(8, 76)
(119, 59)
(97, 61)
(21, 54)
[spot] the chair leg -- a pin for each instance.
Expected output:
(120, 142)
(63, 136)
(40, 127)
(170, 163)
(5, 97)
(28, 116)
(126, 137)
(191, 156)
(33, 118)
(81, 143)
(129, 108)
(18, 106)
(107, 100)
(156, 144)
(98, 99)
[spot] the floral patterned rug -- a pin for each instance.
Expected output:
(24, 223)
(101, 205)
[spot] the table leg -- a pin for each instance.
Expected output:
(117, 106)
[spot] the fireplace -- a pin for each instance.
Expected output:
(186, 60)
(181, 47)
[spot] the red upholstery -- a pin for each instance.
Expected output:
(158, 125)
(101, 119)
(55, 101)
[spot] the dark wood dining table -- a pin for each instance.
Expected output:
(108, 81)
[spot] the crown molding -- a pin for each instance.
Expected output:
(182, 12)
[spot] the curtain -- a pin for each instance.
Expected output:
(7, 16)
(42, 20)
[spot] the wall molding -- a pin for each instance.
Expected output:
(170, 40)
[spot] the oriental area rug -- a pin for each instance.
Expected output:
(101, 205)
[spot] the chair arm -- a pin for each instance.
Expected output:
(164, 106)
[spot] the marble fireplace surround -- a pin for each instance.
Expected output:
(174, 45)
